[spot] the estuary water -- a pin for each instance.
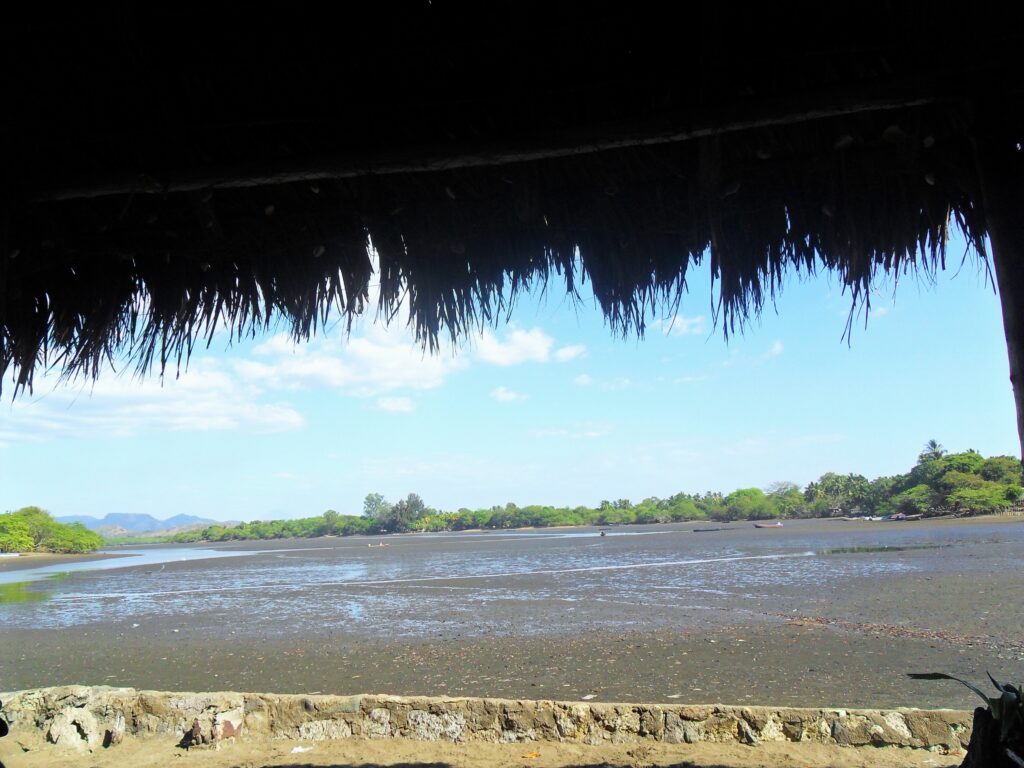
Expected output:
(516, 583)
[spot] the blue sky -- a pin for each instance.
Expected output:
(550, 409)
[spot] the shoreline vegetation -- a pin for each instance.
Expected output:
(33, 530)
(939, 484)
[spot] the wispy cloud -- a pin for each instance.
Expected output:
(506, 395)
(205, 398)
(680, 325)
(771, 445)
(254, 391)
(611, 385)
(776, 349)
(382, 360)
(580, 431)
(395, 404)
(571, 352)
(618, 383)
(517, 347)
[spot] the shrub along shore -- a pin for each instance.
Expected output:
(31, 529)
(940, 483)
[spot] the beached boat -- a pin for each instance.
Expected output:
(776, 524)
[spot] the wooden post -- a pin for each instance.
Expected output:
(1001, 166)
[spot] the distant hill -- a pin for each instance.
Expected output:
(131, 523)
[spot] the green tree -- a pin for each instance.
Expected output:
(1002, 469)
(47, 535)
(917, 500)
(932, 450)
(787, 498)
(833, 494)
(375, 506)
(748, 504)
(15, 535)
(331, 519)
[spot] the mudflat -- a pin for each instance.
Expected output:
(43, 559)
(817, 613)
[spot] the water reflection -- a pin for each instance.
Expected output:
(30, 591)
(119, 558)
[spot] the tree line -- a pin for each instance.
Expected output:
(939, 483)
(31, 529)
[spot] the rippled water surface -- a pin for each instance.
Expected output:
(535, 581)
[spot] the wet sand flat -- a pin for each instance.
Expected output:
(819, 613)
(43, 559)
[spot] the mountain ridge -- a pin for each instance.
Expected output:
(135, 522)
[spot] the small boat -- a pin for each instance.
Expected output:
(776, 524)
(901, 516)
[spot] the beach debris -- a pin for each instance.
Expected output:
(530, 755)
(300, 750)
(114, 736)
(589, 696)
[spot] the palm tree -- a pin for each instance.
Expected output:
(932, 450)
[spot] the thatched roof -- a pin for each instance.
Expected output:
(172, 171)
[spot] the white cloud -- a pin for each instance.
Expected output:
(380, 361)
(620, 382)
(581, 431)
(506, 395)
(518, 347)
(690, 379)
(203, 399)
(249, 392)
(770, 445)
(612, 385)
(680, 325)
(570, 352)
(395, 404)
(776, 349)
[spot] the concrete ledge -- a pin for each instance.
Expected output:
(83, 717)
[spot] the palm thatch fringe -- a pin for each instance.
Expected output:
(145, 278)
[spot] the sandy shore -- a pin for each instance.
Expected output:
(41, 559)
(786, 664)
(400, 753)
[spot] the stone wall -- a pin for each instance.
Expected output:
(88, 718)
